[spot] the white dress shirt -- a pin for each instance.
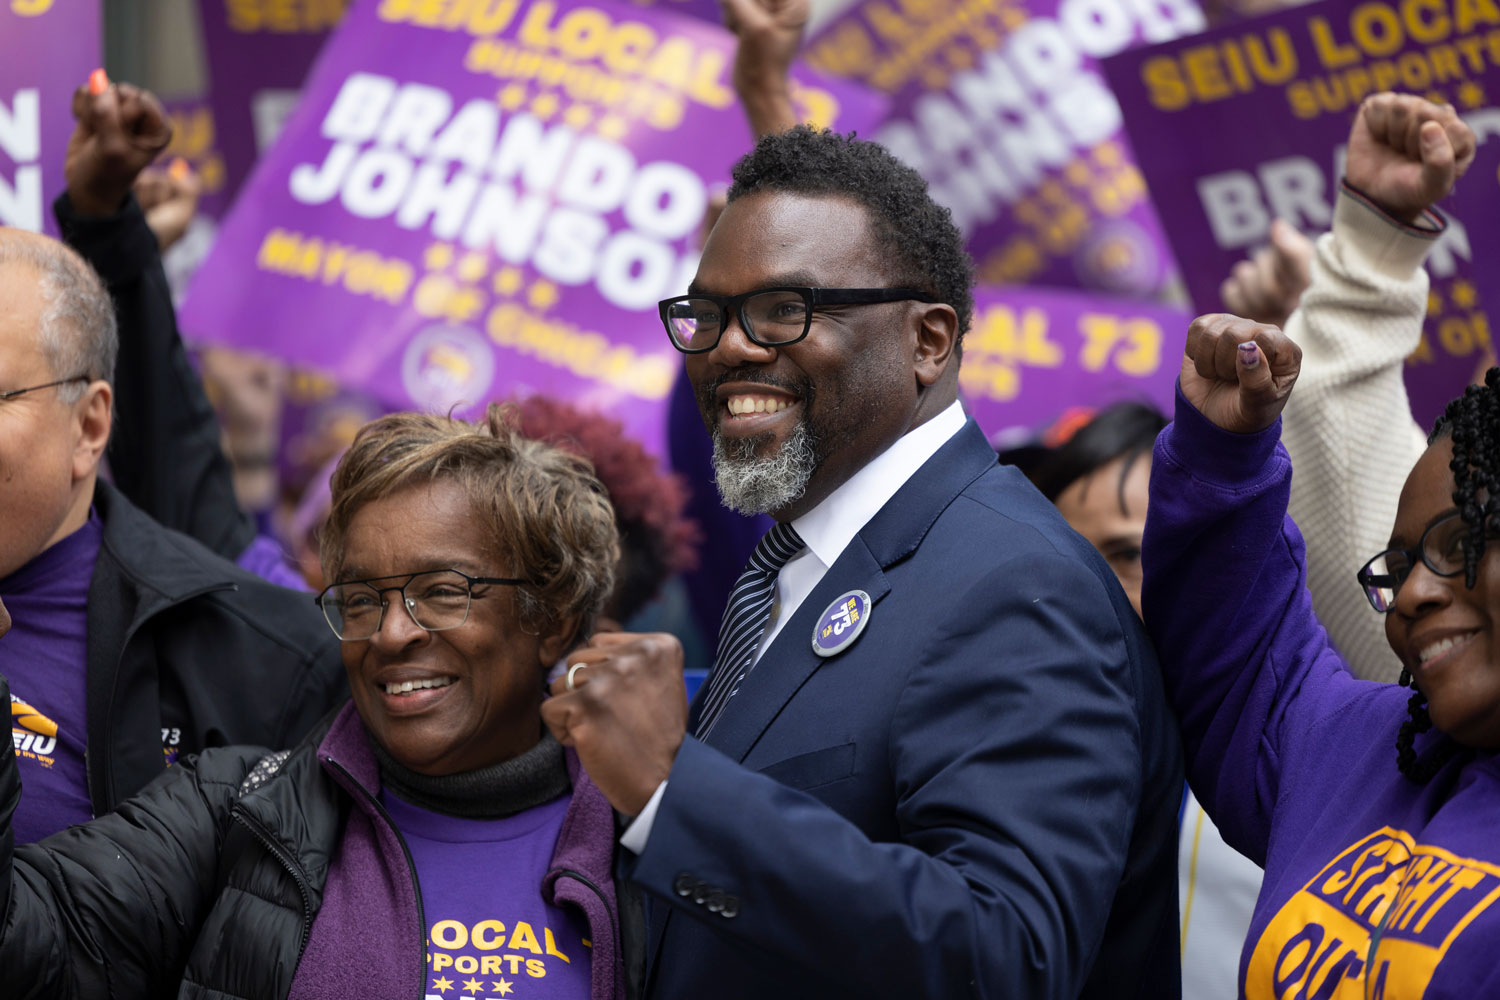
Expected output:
(827, 530)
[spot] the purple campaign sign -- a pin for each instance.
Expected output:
(465, 212)
(195, 139)
(1248, 122)
(707, 10)
(1031, 356)
(1002, 107)
(259, 53)
(47, 49)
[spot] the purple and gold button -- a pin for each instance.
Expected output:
(841, 624)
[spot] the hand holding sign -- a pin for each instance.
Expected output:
(1238, 373)
(623, 707)
(1406, 152)
(120, 130)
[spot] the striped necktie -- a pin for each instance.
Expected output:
(745, 620)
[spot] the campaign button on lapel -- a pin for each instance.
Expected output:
(841, 624)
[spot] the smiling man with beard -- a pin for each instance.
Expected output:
(933, 758)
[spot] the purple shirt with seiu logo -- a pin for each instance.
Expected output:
(489, 932)
(44, 657)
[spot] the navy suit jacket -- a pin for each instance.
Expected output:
(977, 798)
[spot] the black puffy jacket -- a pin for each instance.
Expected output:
(207, 883)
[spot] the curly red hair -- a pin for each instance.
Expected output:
(656, 540)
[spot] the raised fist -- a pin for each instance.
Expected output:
(1268, 286)
(1406, 153)
(1238, 373)
(769, 33)
(120, 130)
(169, 197)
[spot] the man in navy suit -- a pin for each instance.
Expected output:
(940, 764)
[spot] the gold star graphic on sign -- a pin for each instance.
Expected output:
(437, 257)
(503, 987)
(1434, 303)
(511, 96)
(1470, 94)
(544, 106)
(1108, 153)
(1463, 294)
(612, 127)
(578, 116)
(507, 280)
(472, 986)
(1012, 18)
(473, 266)
(543, 294)
(442, 984)
(1077, 173)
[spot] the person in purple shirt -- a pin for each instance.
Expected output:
(431, 838)
(132, 644)
(1371, 807)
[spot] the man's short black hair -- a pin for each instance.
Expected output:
(926, 248)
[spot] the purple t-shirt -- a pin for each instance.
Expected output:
(44, 656)
(489, 933)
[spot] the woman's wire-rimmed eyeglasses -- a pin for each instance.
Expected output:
(436, 600)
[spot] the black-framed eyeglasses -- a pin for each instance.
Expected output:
(770, 317)
(1441, 548)
(435, 599)
(13, 393)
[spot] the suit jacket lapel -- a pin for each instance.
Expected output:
(892, 534)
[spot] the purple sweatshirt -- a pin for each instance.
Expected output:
(1375, 887)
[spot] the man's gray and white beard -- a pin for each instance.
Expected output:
(752, 485)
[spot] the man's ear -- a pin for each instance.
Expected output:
(93, 415)
(937, 341)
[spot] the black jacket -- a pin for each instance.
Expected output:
(207, 883)
(164, 450)
(188, 651)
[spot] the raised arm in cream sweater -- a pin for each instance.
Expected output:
(1348, 426)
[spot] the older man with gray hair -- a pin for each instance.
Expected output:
(130, 643)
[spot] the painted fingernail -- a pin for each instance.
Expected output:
(98, 82)
(1249, 356)
(179, 169)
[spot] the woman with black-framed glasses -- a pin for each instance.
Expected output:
(430, 837)
(1382, 867)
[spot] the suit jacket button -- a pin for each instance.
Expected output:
(684, 885)
(731, 907)
(715, 902)
(702, 891)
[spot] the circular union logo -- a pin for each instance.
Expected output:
(447, 366)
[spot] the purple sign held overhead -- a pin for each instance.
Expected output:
(459, 212)
(707, 10)
(1031, 356)
(47, 50)
(1248, 122)
(259, 53)
(1001, 106)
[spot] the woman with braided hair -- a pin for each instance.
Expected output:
(1467, 437)
(1372, 810)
